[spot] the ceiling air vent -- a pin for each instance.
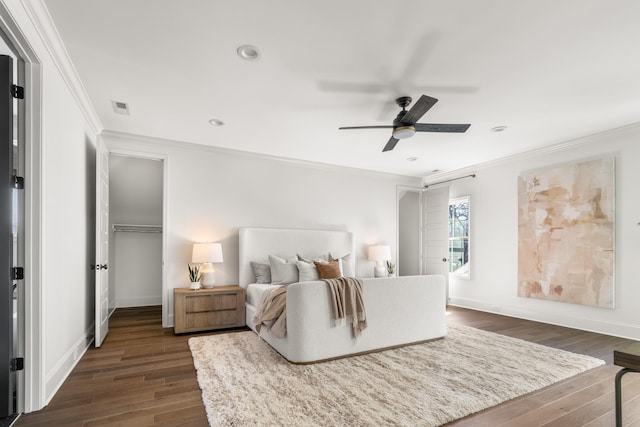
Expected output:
(120, 107)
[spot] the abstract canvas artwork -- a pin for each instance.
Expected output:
(566, 225)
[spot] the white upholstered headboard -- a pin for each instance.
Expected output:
(256, 244)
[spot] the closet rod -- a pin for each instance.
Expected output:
(134, 228)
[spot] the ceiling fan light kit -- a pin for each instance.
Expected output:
(404, 132)
(405, 124)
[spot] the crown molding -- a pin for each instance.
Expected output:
(41, 20)
(573, 143)
(154, 142)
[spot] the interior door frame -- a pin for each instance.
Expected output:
(165, 216)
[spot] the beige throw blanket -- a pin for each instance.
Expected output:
(272, 313)
(348, 304)
(346, 301)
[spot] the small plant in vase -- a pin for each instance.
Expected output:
(194, 276)
(391, 269)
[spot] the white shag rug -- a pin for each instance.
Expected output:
(245, 382)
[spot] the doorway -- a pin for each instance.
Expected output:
(409, 236)
(136, 193)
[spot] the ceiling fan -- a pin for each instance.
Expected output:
(405, 126)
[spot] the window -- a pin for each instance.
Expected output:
(459, 221)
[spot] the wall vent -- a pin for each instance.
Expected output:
(120, 107)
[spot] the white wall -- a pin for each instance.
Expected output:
(135, 259)
(211, 193)
(60, 233)
(494, 228)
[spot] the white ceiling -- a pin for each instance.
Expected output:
(550, 70)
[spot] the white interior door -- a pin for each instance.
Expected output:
(436, 232)
(102, 243)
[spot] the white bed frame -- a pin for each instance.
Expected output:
(400, 310)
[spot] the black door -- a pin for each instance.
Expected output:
(7, 205)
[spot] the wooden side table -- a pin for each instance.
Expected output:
(208, 309)
(629, 359)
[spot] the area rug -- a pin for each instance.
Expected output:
(245, 382)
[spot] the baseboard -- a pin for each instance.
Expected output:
(138, 301)
(617, 329)
(62, 369)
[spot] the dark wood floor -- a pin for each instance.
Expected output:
(143, 375)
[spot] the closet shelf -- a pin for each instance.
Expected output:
(135, 228)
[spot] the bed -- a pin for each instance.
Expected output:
(400, 310)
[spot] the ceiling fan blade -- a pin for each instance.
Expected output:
(366, 127)
(391, 144)
(436, 127)
(419, 108)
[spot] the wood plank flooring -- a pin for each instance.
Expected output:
(143, 375)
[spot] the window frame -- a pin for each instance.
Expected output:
(466, 274)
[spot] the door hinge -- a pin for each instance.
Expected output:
(18, 182)
(17, 364)
(17, 91)
(17, 273)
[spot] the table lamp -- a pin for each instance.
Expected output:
(379, 254)
(206, 254)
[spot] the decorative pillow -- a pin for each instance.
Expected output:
(345, 264)
(262, 272)
(322, 258)
(306, 271)
(283, 271)
(330, 270)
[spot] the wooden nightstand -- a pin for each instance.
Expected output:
(207, 309)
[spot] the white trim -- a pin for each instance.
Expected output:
(553, 317)
(167, 314)
(183, 145)
(584, 140)
(138, 302)
(60, 372)
(41, 19)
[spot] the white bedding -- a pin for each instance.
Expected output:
(255, 292)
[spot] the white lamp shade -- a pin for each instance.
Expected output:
(206, 252)
(379, 253)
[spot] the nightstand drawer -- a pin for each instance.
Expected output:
(198, 303)
(205, 319)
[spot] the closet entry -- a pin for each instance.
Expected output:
(135, 211)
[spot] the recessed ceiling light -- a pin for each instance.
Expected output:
(248, 52)
(499, 129)
(412, 159)
(216, 122)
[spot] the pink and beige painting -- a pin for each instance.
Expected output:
(566, 233)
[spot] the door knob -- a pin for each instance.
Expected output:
(444, 260)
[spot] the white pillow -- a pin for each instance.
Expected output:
(344, 262)
(307, 272)
(262, 272)
(283, 271)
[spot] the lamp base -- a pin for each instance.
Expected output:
(379, 271)
(208, 276)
